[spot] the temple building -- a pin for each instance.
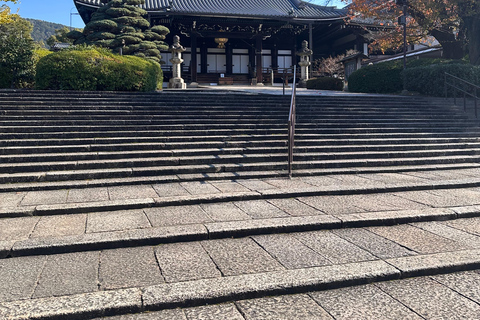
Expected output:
(246, 39)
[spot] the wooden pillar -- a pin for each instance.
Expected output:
(294, 52)
(229, 57)
(203, 58)
(194, 62)
(275, 57)
(259, 64)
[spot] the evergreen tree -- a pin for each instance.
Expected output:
(121, 24)
(17, 52)
(59, 36)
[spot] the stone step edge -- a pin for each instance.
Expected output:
(112, 205)
(227, 229)
(218, 290)
(241, 175)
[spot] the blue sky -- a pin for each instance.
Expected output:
(59, 10)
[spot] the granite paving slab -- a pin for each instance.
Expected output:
(199, 187)
(352, 179)
(429, 198)
(11, 199)
(214, 312)
(465, 283)
(169, 216)
(19, 276)
(440, 174)
(60, 225)
(471, 225)
(466, 239)
(229, 186)
(287, 183)
(463, 197)
(117, 220)
(417, 239)
(260, 209)
(240, 256)
(320, 181)
(288, 307)
(168, 314)
(362, 302)
(128, 267)
(332, 204)
(80, 306)
(431, 299)
(185, 262)
(224, 212)
(376, 245)
(290, 252)
(256, 185)
(44, 197)
(333, 248)
(17, 228)
(68, 274)
(87, 195)
(390, 178)
(294, 207)
(170, 189)
(131, 192)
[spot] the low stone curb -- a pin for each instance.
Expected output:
(228, 229)
(226, 197)
(198, 292)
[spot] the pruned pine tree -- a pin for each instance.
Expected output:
(121, 24)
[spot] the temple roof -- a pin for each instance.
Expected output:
(275, 9)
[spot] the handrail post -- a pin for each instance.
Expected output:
(476, 103)
(291, 123)
(445, 87)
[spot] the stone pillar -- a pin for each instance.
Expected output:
(176, 49)
(304, 63)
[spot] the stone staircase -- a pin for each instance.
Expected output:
(124, 204)
(47, 139)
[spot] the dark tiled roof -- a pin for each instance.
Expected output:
(294, 9)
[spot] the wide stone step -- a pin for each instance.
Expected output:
(106, 151)
(220, 155)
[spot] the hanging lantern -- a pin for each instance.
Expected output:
(221, 42)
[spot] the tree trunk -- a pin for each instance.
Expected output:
(473, 34)
(452, 48)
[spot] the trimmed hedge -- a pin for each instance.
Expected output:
(386, 77)
(378, 78)
(95, 69)
(430, 80)
(325, 83)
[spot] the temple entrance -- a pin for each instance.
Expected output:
(216, 61)
(240, 61)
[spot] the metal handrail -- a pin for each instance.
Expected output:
(291, 123)
(454, 84)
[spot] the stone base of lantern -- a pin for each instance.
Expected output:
(177, 83)
(302, 83)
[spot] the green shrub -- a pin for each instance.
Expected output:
(90, 68)
(379, 78)
(325, 83)
(386, 77)
(430, 80)
(6, 74)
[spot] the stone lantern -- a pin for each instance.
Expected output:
(176, 49)
(304, 63)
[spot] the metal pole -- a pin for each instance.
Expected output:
(476, 103)
(404, 46)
